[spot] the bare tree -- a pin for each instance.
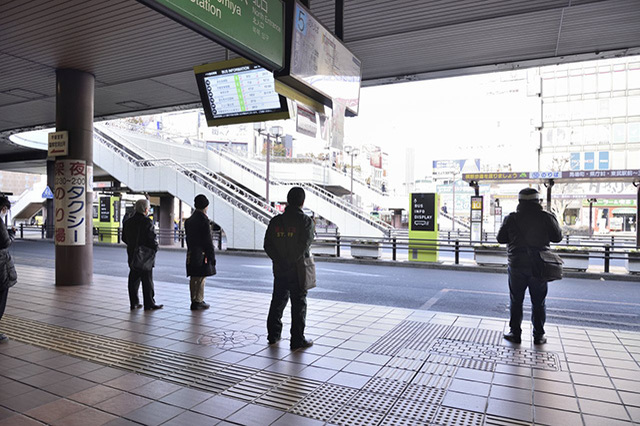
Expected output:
(559, 203)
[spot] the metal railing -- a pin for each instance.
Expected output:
(213, 182)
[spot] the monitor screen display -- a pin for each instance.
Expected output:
(238, 91)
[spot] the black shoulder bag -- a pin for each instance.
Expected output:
(144, 258)
(546, 264)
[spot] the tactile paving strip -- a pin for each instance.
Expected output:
(391, 420)
(408, 334)
(349, 416)
(407, 408)
(497, 354)
(476, 335)
(501, 421)
(373, 401)
(385, 386)
(455, 417)
(324, 402)
(233, 380)
(424, 394)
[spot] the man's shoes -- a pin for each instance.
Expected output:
(3, 338)
(195, 306)
(153, 307)
(539, 340)
(273, 340)
(306, 343)
(512, 337)
(138, 306)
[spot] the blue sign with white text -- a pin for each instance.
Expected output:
(589, 161)
(603, 160)
(575, 161)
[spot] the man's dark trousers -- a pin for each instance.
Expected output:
(519, 281)
(148, 294)
(284, 287)
(3, 300)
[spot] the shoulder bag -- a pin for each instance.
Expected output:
(546, 264)
(144, 258)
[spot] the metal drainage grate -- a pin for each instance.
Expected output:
(497, 354)
(229, 339)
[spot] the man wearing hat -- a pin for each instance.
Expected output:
(529, 230)
(201, 258)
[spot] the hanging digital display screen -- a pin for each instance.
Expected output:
(238, 91)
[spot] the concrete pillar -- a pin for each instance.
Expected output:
(165, 220)
(74, 113)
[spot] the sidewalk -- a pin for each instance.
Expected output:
(78, 356)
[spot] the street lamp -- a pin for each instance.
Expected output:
(591, 201)
(276, 132)
(352, 151)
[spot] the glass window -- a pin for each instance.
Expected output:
(619, 80)
(561, 136)
(604, 134)
(633, 105)
(589, 80)
(604, 81)
(576, 110)
(590, 134)
(619, 133)
(590, 109)
(547, 137)
(618, 107)
(548, 111)
(562, 86)
(634, 78)
(603, 108)
(634, 132)
(562, 111)
(548, 87)
(575, 85)
(576, 136)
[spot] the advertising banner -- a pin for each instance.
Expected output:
(70, 202)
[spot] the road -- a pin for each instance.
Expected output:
(582, 302)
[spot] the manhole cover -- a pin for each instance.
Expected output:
(229, 339)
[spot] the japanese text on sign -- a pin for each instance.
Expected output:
(70, 202)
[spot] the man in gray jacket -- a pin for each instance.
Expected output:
(526, 232)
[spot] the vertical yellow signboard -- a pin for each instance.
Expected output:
(423, 227)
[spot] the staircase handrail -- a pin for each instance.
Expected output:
(220, 190)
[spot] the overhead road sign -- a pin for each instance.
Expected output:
(627, 175)
(253, 29)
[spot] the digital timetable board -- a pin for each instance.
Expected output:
(238, 91)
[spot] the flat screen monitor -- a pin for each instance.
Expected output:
(319, 64)
(238, 91)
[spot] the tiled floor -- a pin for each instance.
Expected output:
(78, 356)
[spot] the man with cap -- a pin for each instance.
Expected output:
(201, 258)
(527, 231)
(288, 239)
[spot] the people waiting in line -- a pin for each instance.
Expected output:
(8, 275)
(201, 258)
(138, 231)
(527, 230)
(288, 238)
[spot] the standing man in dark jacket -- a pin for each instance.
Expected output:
(8, 276)
(201, 258)
(288, 239)
(138, 231)
(527, 232)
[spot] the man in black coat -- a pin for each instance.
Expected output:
(527, 232)
(201, 258)
(8, 276)
(288, 239)
(138, 231)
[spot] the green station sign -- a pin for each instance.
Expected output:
(252, 28)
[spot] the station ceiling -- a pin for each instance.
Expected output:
(143, 61)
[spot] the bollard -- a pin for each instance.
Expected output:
(182, 238)
(567, 239)
(607, 256)
(42, 232)
(393, 252)
(337, 245)
(457, 252)
(22, 230)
